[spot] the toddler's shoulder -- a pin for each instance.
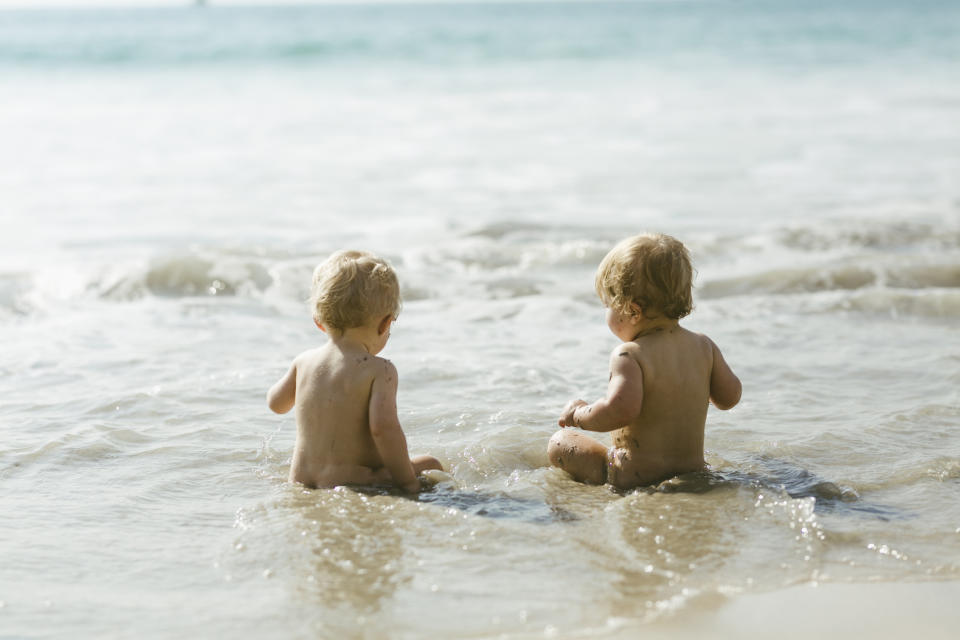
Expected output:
(382, 367)
(308, 356)
(630, 350)
(381, 373)
(702, 344)
(703, 340)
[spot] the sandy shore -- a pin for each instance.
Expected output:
(930, 610)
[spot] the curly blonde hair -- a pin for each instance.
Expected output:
(652, 270)
(352, 287)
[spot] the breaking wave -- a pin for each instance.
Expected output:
(188, 275)
(833, 277)
(900, 268)
(909, 268)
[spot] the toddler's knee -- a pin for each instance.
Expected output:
(555, 448)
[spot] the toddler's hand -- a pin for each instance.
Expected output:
(566, 418)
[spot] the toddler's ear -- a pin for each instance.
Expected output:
(319, 326)
(636, 311)
(384, 325)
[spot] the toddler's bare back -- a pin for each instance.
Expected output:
(334, 445)
(666, 438)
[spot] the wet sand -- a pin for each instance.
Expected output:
(875, 610)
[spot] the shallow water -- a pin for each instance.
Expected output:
(170, 178)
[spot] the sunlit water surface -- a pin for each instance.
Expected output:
(170, 179)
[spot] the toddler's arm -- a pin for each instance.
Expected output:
(725, 387)
(283, 394)
(622, 403)
(386, 430)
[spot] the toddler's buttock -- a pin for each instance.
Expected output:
(326, 476)
(626, 469)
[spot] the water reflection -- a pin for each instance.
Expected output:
(780, 475)
(702, 536)
(693, 539)
(352, 547)
(498, 504)
(354, 557)
(487, 504)
(669, 547)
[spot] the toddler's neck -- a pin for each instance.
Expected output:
(655, 325)
(354, 339)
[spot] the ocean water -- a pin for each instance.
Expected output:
(170, 177)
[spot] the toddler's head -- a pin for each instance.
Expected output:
(352, 288)
(652, 270)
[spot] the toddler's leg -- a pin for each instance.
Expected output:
(579, 455)
(423, 463)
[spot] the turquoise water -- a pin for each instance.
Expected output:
(170, 177)
(781, 36)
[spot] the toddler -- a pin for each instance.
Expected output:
(345, 396)
(662, 376)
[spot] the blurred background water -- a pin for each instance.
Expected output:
(169, 177)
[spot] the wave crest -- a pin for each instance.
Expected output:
(13, 287)
(188, 275)
(876, 237)
(842, 277)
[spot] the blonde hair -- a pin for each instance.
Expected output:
(352, 287)
(652, 270)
